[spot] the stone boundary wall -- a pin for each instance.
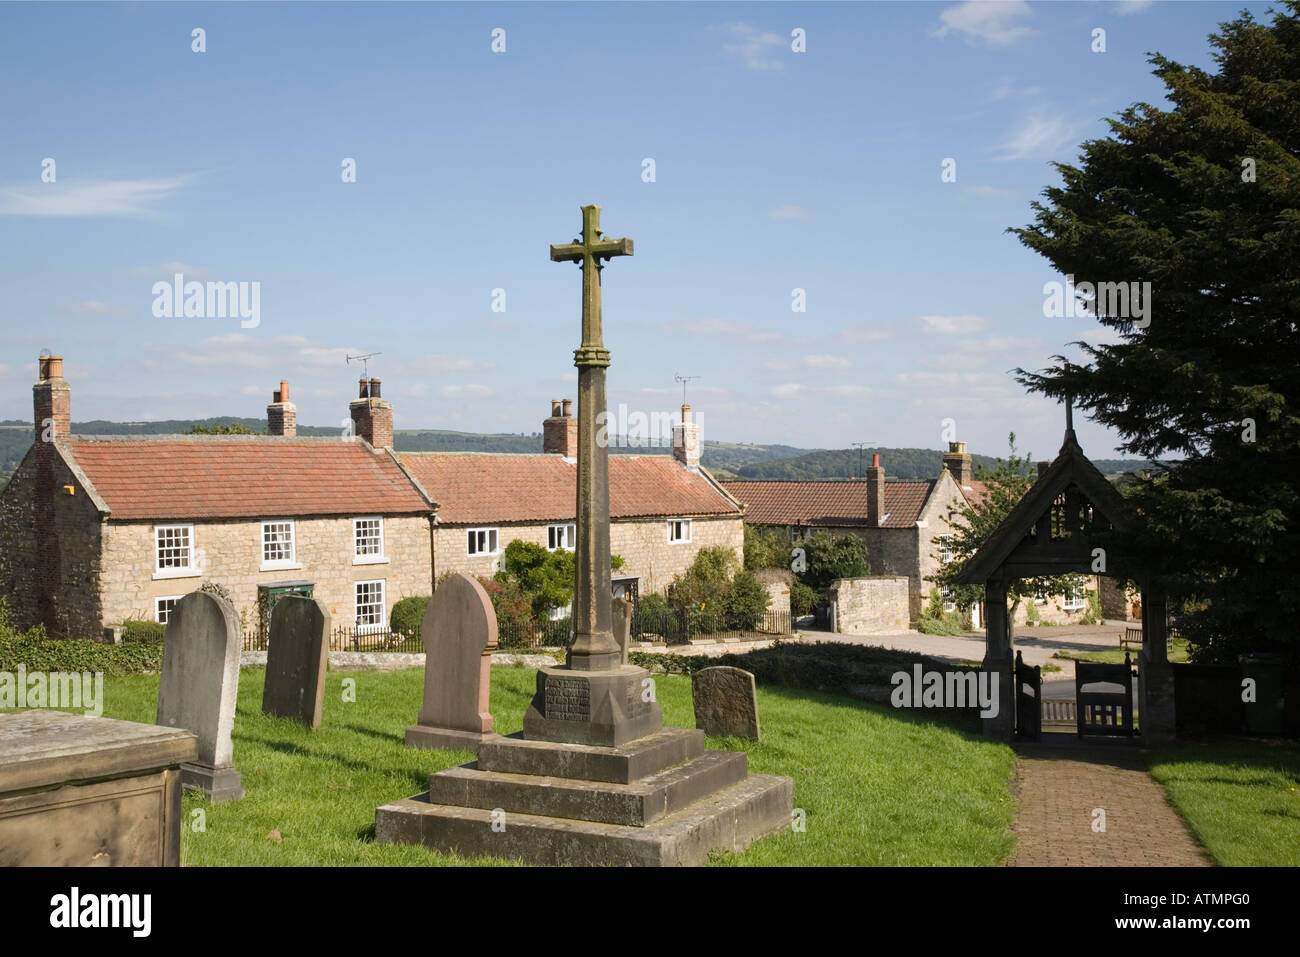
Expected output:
(877, 603)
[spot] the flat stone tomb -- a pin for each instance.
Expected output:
(658, 800)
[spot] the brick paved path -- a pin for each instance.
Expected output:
(1056, 790)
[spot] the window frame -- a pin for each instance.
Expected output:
(382, 623)
(569, 531)
(1073, 604)
(688, 524)
(379, 558)
(493, 531)
(161, 598)
(280, 563)
(190, 569)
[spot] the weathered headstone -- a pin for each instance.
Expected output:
(296, 660)
(200, 681)
(622, 617)
(459, 632)
(725, 702)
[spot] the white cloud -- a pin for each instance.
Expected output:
(727, 328)
(778, 365)
(125, 197)
(98, 308)
(1038, 134)
(785, 213)
(1128, 7)
(993, 22)
(788, 390)
(169, 270)
(753, 46)
(951, 325)
(826, 362)
(876, 332)
(465, 391)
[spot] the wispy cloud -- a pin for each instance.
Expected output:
(1038, 134)
(951, 325)
(1128, 7)
(719, 328)
(753, 46)
(168, 270)
(473, 390)
(995, 23)
(788, 212)
(826, 362)
(119, 197)
(95, 307)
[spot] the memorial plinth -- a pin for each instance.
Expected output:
(595, 778)
(83, 791)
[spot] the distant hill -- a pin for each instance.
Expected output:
(725, 459)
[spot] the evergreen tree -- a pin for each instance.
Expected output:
(1202, 200)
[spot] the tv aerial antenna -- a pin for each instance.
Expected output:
(364, 360)
(860, 446)
(683, 379)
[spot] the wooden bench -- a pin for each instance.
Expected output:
(1132, 638)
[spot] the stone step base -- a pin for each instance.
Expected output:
(585, 762)
(729, 820)
(636, 805)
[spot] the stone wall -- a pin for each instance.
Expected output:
(873, 604)
(641, 543)
(1118, 601)
(230, 553)
(49, 547)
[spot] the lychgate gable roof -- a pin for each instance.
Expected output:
(1052, 529)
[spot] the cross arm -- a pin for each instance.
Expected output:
(571, 252)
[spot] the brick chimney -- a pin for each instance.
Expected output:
(560, 431)
(958, 462)
(52, 401)
(281, 414)
(686, 440)
(875, 491)
(372, 417)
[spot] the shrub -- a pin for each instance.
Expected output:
(652, 610)
(803, 599)
(408, 614)
(546, 578)
(140, 630)
(516, 625)
(745, 602)
(765, 549)
(830, 557)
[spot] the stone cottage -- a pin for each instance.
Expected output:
(663, 509)
(96, 530)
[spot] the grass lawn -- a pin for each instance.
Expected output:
(877, 786)
(1241, 799)
(1115, 656)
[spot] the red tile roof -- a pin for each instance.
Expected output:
(828, 503)
(975, 493)
(479, 487)
(204, 477)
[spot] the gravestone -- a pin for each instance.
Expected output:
(200, 681)
(459, 632)
(622, 616)
(725, 702)
(296, 660)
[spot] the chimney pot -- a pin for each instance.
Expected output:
(281, 416)
(560, 431)
(958, 463)
(875, 460)
(284, 391)
(365, 389)
(50, 367)
(374, 388)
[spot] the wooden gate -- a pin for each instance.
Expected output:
(1029, 705)
(1104, 712)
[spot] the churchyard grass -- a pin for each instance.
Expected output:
(876, 786)
(1115, 656)
(1241, 799)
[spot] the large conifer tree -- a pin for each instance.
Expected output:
(1202, 200)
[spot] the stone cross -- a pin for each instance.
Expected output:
(594, 648)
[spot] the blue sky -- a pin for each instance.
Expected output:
(774, 170)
